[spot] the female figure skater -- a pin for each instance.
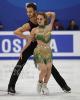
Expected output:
(43, 52)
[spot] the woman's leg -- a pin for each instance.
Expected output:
(43, 71)
(46, 79)
(49, 65)
(42, 74)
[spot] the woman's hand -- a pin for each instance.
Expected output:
(50, 14)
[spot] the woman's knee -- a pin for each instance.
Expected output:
(49, 66)
(43, 68)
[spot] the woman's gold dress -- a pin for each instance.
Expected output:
(43, 54)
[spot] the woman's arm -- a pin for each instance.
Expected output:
(33, 33)
(30, 38)
(22, 51)
(51, 15)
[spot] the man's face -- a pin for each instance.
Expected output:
(30, 12)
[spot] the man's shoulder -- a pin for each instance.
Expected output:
(26, 24)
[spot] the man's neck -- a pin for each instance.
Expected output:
(34, 19)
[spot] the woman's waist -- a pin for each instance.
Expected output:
(43, 50)
(43, 46)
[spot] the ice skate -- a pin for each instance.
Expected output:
(11, 90)
(66, 89)
(44, 89)
(39, 86)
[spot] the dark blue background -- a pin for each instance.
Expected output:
(13, 13)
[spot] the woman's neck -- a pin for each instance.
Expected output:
(41, 26)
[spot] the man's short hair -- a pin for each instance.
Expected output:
(33, 5)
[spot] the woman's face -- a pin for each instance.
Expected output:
(41, 20)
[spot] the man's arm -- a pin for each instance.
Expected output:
(20, 30)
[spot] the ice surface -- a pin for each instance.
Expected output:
(26, 84)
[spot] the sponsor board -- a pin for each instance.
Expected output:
(64, 44)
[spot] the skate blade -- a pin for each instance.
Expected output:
(44, 93)
(10, 93)
(67, 91)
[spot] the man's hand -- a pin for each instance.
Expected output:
(29, 38)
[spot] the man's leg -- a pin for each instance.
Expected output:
(18, 68)
(60, 80)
